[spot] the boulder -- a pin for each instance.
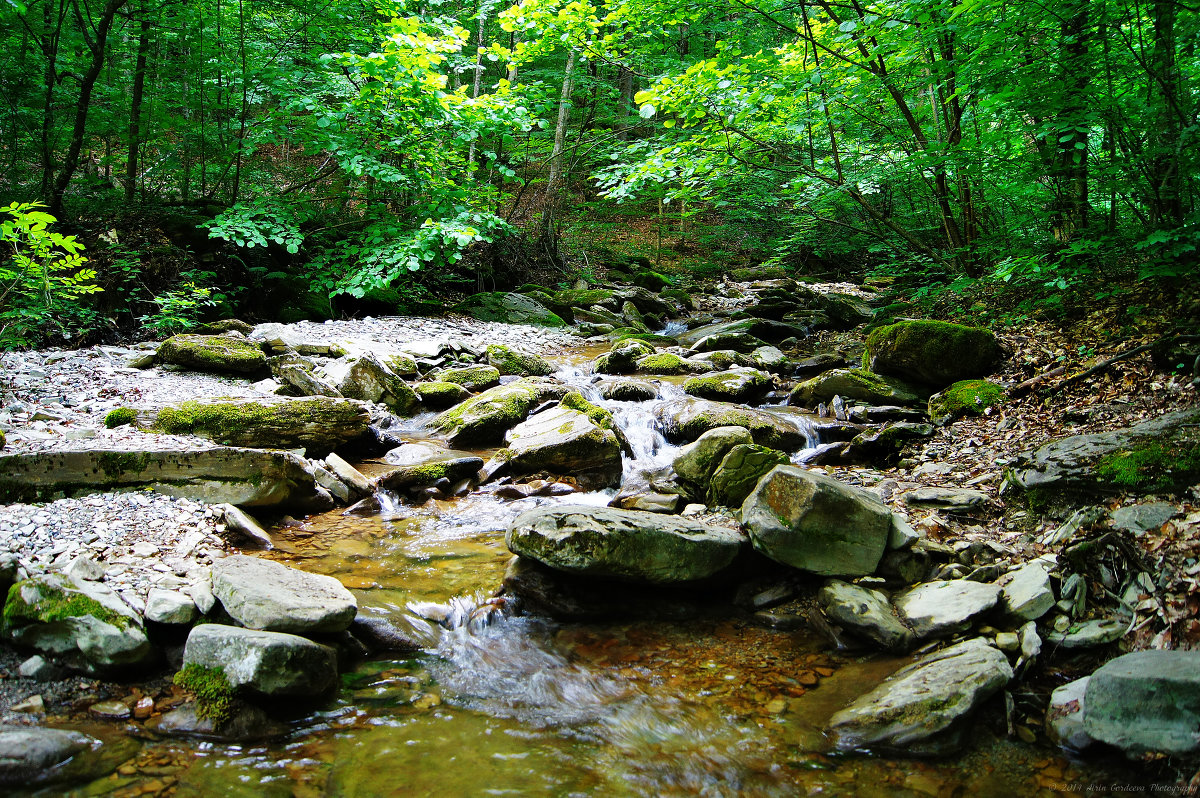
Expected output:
(627, 390)
(865, 612)
(563, 440)
(86, 623)
(1159, 454)
(473, 378)
(512, 361)
(318, 423)
(943, 608)
(622, 357)
(243, 530)
(629, 545)
(857, 384)
(245, 477)
(510, 308)
(739, 471)
(367, 378)
(1147, 701)
(813, 522)
(448, 464)
(437, 395)
(348, 474)
(667, 363)
(936, 353)
(735, 385)
(685, 420)
(770, 358)
(1142, 518)
(265, 595)
(304, 382)
(964, 398)
(1025, 592)
(922, 700)
(1088, 634)
(698, 460)
(955, 500)
(482, 420)
(264, 663)
(884, 444)
(169, 606)
(220, 354)
(28, 753)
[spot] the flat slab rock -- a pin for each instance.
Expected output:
(630, 545)
(268, 663)
(938, 609)
(265, 595)
(26, 752)
(923, 699)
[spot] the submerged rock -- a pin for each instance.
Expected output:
(813, 522)
(1146, 701)
(29, 754)
(629, 545)
(266, 663)
(266, 595)
(936, 353)
(923, 700)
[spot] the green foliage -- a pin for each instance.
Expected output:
(42, 278)
(214, 694)
(179, 309)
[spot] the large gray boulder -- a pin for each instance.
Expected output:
(739, 471)
(565, 441)
(482, 420)
(245, 477)
(265, 595)
(942, 608)
(221, 354)
(1146, 701)
(813, 522)
(630, 545)
(922, 700)
(85, 623)
(685, 420)
(318, 423)
(28, 752)
(734, 385)
(368, 378)
(699, 459)
(266, 663)
(865, 612)
(474, 378)
(1157, 454)
(936, 353)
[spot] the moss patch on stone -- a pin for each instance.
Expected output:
(582, 298)
(473, 378)
(510, 361)
(650, 338)
(598, 415)
(55, 604)
(119, 417)
(214, 694)
(935, 352)
(663, 363)
(1157, 465)
(213, 353)
(965, 397)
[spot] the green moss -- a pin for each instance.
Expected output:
(489, 414)
(931, 348)
(56, 604)
(966, 397)
(510, 361)
(223, 417)
(3, 439)
(119, 417)
(473, 378)
(679, 295)
(598, 415)
(586, 297)
(213, 352)
(1158, 465)
(113, 464)
(664, 363)
(214, 694)
(438, 389)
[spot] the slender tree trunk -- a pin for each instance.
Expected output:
(135, 106)
(554, 179)
(1166, 172)
(98, 46)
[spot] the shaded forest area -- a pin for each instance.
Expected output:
(278, 159)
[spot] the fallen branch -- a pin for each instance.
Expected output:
(1104, 364)
(1025, 387)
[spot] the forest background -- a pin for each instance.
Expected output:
(168, 162)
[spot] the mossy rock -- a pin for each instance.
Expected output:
(221, 354)
(482, 420)
(623, 357)
(651, 281)
(441, 395)
(509, 361)
(937, 353)
(3, 439)
(964, 398)
(587, 297)
(509, 308)
(758, 273)
(214, 694)
(740, 470)
(119, 417)
(735, 385)
(627, 390)
(626, 334)
(473, 378)
(319, 423)
(665, 363)
(857, 384)
(430, 472)
(685, 420)
(685, 300)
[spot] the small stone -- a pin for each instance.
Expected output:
(168, 606)
(38, 669)
(110, 710)
(1141, 518)
(84, 567)
(144, 549)
(144, 707)
(34, 705)
(693, 510)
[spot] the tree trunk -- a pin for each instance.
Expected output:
(1166, 172)
(135, 107)
(548, 234)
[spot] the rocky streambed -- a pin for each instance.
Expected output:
(736, 558)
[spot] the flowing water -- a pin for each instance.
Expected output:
(702, 704)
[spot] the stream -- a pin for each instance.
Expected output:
(708, 703)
